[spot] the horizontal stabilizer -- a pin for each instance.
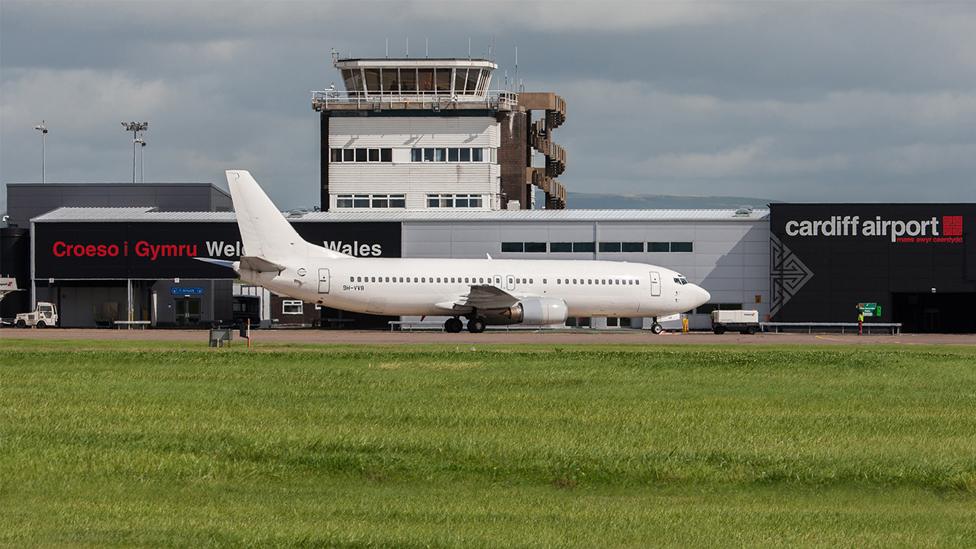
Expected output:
(259, 264)
(217, 262)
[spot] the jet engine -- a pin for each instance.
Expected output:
(537, 311)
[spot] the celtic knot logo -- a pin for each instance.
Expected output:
(787, 274)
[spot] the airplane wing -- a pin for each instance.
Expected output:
(481, 296)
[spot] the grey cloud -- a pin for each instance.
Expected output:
(794, 101)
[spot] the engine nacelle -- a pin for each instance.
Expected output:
(538, 311)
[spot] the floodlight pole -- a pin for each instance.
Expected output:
(142, 158)
(42, 127)
(135, 128)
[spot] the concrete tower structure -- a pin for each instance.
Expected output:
(423, 134)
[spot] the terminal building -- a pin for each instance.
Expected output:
(422, 158)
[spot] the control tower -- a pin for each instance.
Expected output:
(431, 133)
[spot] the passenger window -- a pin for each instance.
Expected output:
(481, 280)
(415, 280)
(531, 281)
(543, 281)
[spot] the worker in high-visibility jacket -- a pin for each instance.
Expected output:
(860, 323)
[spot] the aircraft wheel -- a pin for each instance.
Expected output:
(453, 325)
(476, 325)
(656, 328)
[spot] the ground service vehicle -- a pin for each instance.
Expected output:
(744, 322)
(44, 316)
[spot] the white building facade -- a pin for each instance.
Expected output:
(414, 162)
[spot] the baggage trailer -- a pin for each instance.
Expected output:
(744, 322)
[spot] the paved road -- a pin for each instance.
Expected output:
(622, 337)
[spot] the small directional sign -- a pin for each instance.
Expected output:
(869, 309)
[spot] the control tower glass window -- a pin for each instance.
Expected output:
(471, 84)
(443, 80)
(459, 80)
(408, 81)
(391, 83)
(372, 80)
(425, 80)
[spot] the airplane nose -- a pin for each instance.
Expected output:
(701, 295)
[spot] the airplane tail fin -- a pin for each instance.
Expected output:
(265, 232)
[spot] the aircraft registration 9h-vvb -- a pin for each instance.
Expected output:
(483, 291)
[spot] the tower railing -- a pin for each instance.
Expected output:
(330, 99)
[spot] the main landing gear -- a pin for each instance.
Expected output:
(453, 325)
(476, 325)
(656, 328)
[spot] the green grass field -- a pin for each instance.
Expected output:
(165, 444)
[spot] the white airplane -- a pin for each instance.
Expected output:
(484, 291)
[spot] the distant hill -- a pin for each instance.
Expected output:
(591, 201)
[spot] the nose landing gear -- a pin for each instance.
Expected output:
(656, 328)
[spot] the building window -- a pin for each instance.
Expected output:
(633, 246)
(453, 154)
(609, 246)
(513, 247)
(454, 200)
(681, 247)
(371, 201)
(291, 307)
(560, 247)
(584, 247)
(659, 246)
(361, 155)
(535, 247)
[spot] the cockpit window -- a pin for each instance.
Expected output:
(681, 280)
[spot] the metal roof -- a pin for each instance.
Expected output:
(88, 186)
(512, 216)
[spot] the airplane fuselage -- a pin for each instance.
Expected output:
(426, 286)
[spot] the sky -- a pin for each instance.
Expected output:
(791, 101)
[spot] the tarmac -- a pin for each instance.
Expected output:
(514, 337)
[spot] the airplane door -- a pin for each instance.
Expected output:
(323, 281)
(655, 283)
(509, 282)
